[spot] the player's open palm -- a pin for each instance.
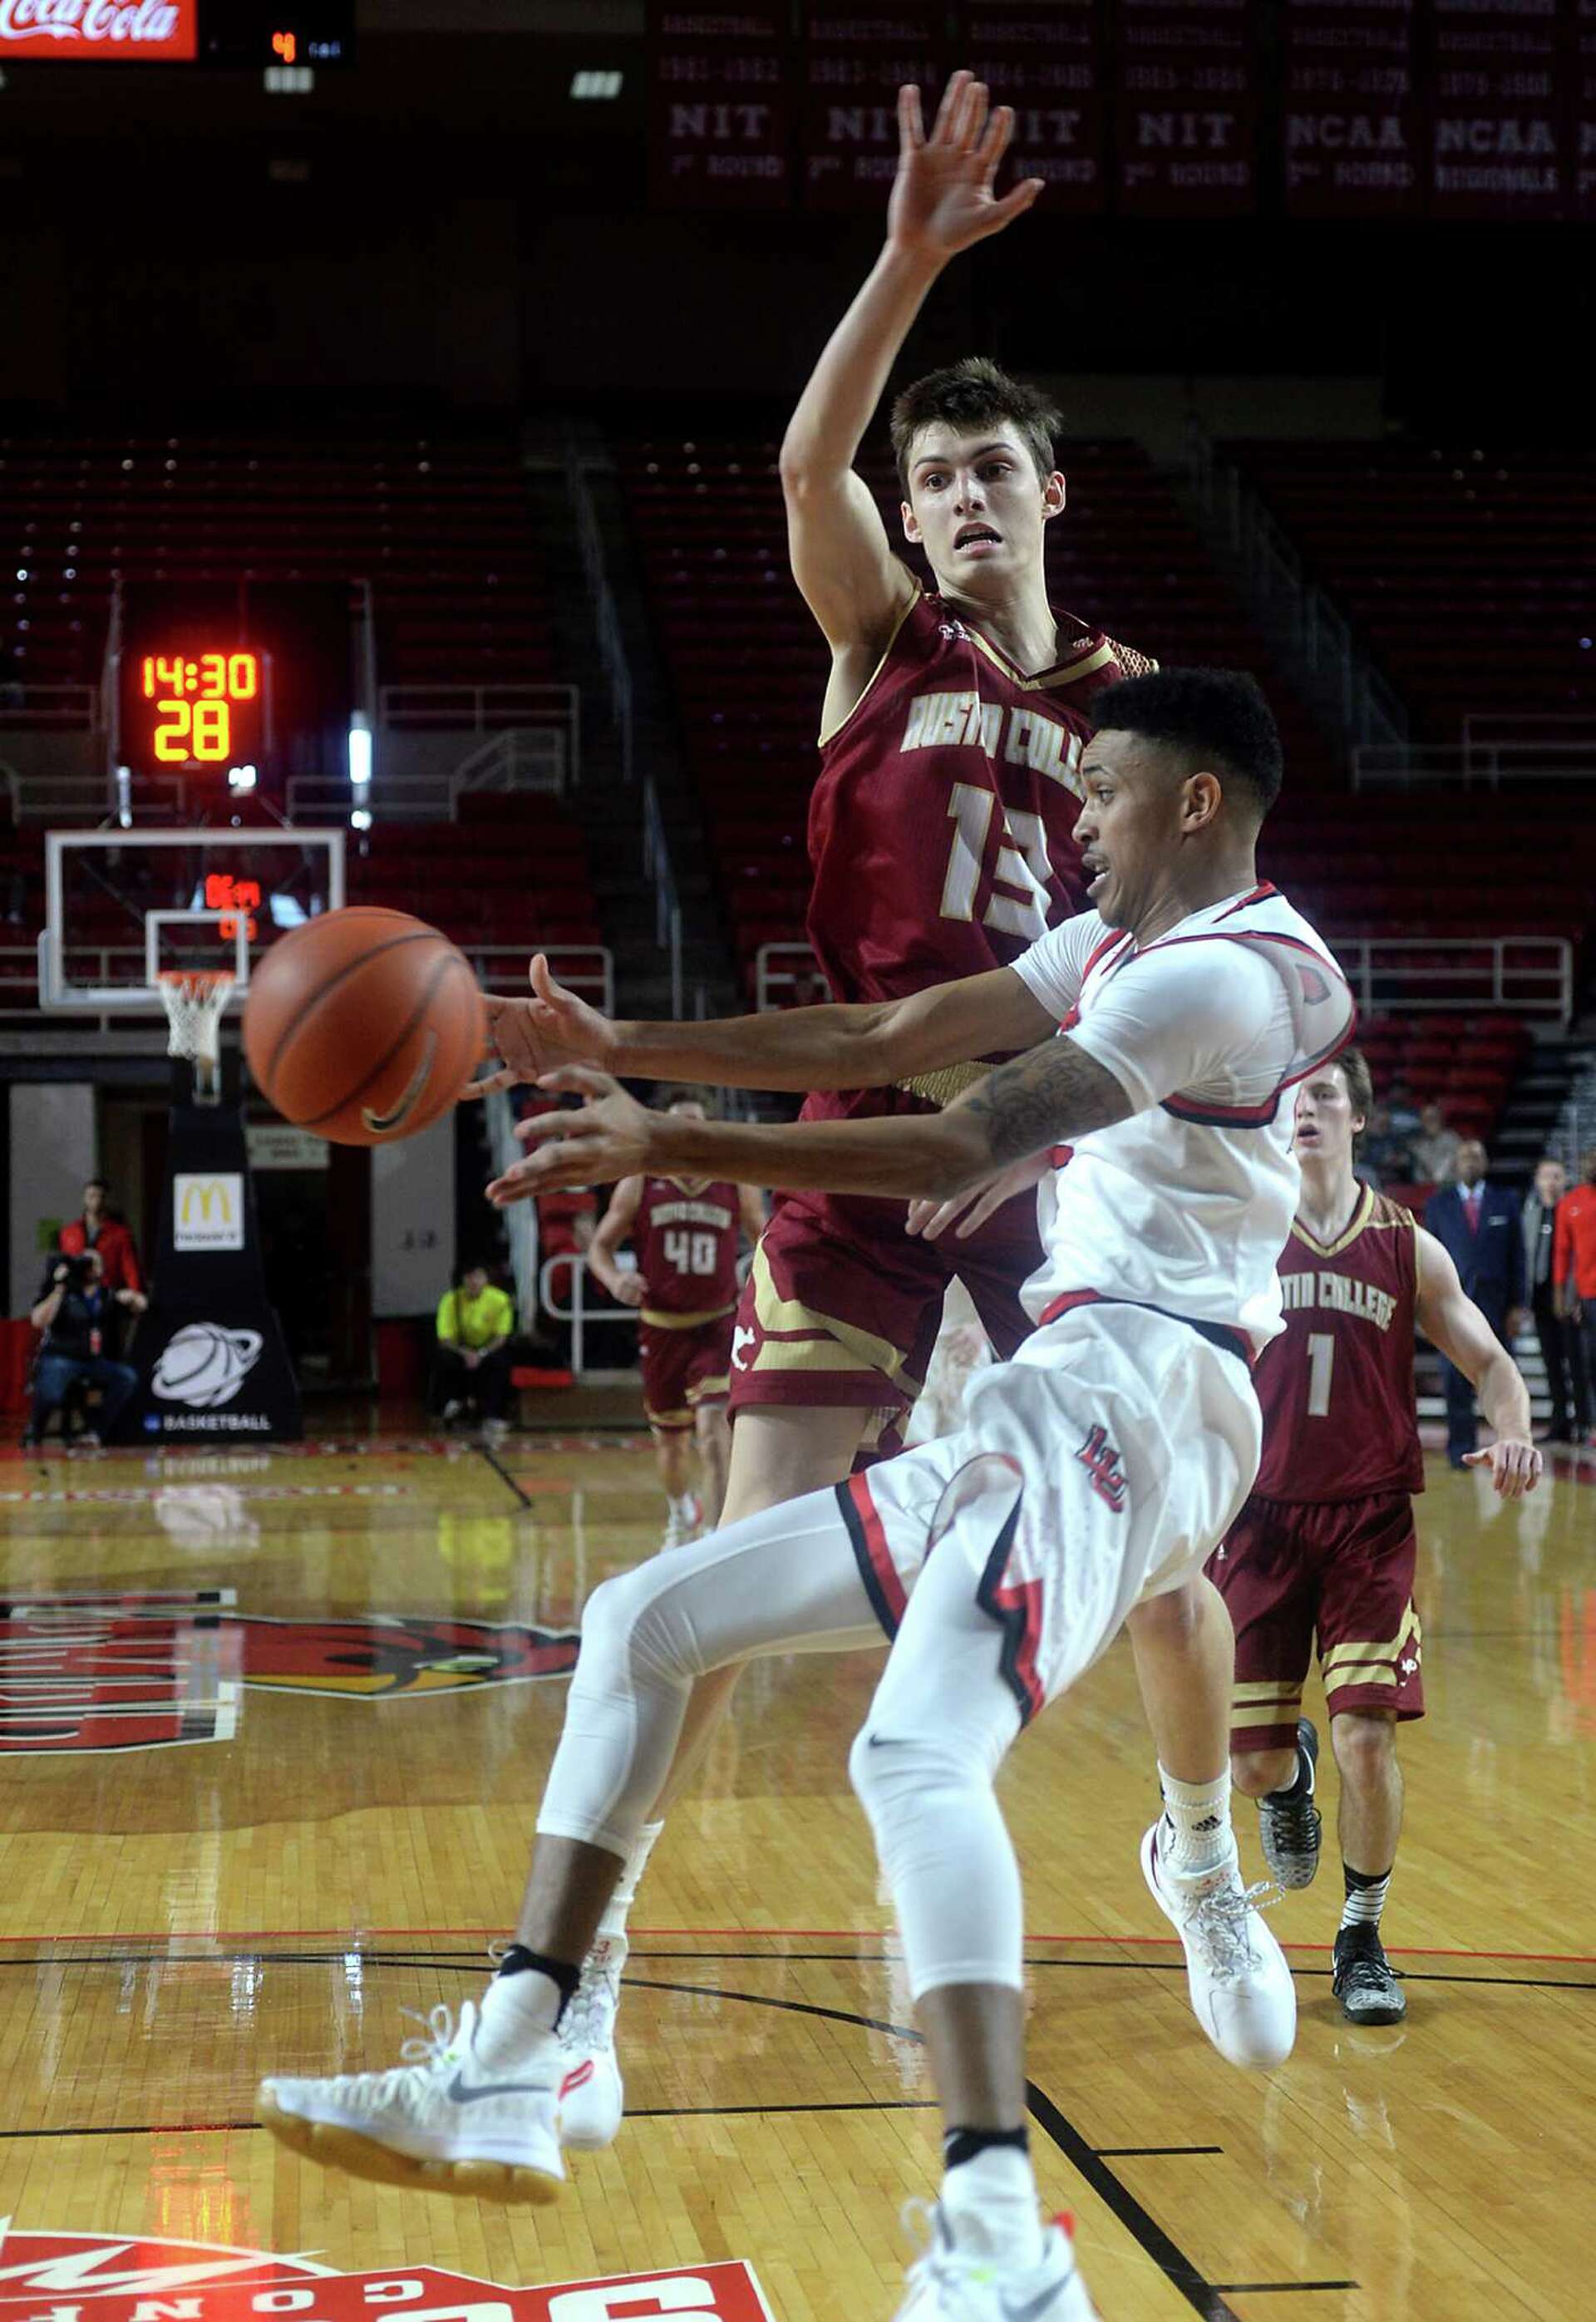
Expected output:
(942, 197)
(534, 1036)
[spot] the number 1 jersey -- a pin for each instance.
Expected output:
(941, 827)
(685, 1238)
(1337, 1385)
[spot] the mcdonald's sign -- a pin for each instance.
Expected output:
(207, 1210)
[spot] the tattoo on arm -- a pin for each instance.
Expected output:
(1049, 1096)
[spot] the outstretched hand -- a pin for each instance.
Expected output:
(1515, 1466)
(967, 1211)
(942, 197)
(603, 1140)
(536, 1035)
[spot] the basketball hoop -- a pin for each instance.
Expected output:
(194, 999)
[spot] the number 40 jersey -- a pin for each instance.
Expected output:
(1337, 1385)
(685, 1238)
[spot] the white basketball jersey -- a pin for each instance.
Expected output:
(1186, 1205)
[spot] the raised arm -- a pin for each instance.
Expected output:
(942, 202)
(793, 1049)
(1451, 1321)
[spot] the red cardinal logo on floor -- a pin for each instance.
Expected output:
(104, 2278)
(146, 1672)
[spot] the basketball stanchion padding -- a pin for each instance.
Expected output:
(364, 1025)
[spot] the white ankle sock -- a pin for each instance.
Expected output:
(516, 2019)
(613, 1922)
(993, 2208)
(1197, 1822)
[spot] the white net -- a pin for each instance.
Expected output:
(193, 1000)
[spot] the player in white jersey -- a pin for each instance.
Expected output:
(1095, 1471)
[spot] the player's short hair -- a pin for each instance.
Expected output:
(974, 393)
(1354, 1067)
(669, 1092)
(1219, 717)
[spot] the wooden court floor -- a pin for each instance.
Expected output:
(276, 1726)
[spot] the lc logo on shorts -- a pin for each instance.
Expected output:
(207, 1211)
(123, 2276)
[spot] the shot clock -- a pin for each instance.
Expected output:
(200, 706)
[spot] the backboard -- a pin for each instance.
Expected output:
(121, 906)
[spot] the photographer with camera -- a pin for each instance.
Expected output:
(73, 1312)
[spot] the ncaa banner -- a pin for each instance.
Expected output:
(100, 32)
(1352, 127)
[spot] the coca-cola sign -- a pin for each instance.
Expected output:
(100, 32)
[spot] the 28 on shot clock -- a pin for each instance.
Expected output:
(196, 705)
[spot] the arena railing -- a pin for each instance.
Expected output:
(657, 866)
(607, 620)
(1524, 976)
(484, 710)
(586, 968)
(66, 708)
(64, 799)
(518, 758)
(1496, 748)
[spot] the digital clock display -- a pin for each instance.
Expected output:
(204, 707)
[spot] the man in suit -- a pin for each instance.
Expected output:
(1479, 1227)
(1559, 1338)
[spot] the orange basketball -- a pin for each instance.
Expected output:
(363, 1025)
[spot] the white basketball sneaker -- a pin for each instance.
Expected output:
(592, 2099)
(946, 2284)
(684, 1522)
(437, 2121)
(1242, 1992)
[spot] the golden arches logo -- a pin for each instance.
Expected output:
(203, 1194)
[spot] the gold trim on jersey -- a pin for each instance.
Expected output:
(846, 1346)
(1361, 1210)
(657, 1319)
(828, 735)
(691, 1186)
(940, 1088)
(1280, 1709)
(1046, 681)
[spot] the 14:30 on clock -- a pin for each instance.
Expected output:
(194, 698)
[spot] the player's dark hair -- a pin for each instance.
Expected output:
(1354, 1067)
(971, 394)
(1218, 717)
(103, 1183)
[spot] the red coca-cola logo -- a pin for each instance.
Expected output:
(108, 31)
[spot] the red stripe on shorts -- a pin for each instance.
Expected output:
(872, 1533)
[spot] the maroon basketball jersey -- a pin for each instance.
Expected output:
(1336, 1386)
(686, 1240)
(942, 828)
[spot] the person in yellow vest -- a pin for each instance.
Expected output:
(475, 1321)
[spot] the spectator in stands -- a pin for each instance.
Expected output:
(475, 1321)
(72, 1311)
(1403, 1108)
(1435, 1148)
(99, 1229)
(1574, 1263)
(1384, 1157)
(1559, 1342)
(1479, 1227)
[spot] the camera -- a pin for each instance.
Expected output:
(78, 1269)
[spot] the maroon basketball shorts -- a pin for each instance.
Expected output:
(682, 1368)
(841, 1306)
(1289, 1571)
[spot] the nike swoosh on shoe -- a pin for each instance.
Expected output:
(1034, 2307)
(459, 2093)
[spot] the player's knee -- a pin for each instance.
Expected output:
(1171, 1619)
(625, 1631)
(898, 1775)
(1364, 1742)
(1256, 1772)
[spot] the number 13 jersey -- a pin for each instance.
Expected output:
(686, 1237)
(941, 827)
(1337, 1385)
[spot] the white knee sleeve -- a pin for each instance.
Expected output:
(946, 1853)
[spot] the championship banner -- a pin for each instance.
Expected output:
(1045, 57)
(1352, 132)
(1188, 112)
(1502, 129)
(854, 62)
(1582, 122)
(720, 104)
(99, 31)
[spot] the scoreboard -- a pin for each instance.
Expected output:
(229, 34)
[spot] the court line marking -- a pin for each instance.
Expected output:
(485, 1451)
(347, 1938)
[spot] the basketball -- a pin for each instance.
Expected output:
(363, 1026)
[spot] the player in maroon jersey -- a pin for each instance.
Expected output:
(685, 1287)
(1325, 1545)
